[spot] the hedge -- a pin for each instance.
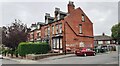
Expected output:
(33, 48)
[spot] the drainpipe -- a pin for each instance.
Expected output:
(33, 36)
(65, 37)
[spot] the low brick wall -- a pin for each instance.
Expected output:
(41, 56)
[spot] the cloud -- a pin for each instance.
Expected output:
(102, 14)
(58, 0)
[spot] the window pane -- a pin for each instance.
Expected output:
(80, 28)
(81, 44)
(56, 29)
(54, 46)
(52, 29)
(57, 43)
(60, 43)
(48, 30)
(100, 42)
(83, 17)
(60, 28)
(107, 42)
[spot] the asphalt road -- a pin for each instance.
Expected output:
(108, 58)
(105, 58)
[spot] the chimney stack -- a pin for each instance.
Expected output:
(103, 34)
(57, 10)
(47, 15)
(71, 6)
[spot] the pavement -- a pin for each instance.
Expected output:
(21, 61)
(27, 61)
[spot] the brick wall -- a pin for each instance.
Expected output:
(70, 30)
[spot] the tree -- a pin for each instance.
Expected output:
(14, 34)
(116, 32)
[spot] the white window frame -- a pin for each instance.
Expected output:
(80, 28)
(48, 30)
(82, 44)
(107, 42)
(61, 43)
(57, 43)
(53, 29)
(54, 46)
(60, 28)
(83, 18)
(100, 42)
(57, 28)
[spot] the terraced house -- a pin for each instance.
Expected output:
(66, 31)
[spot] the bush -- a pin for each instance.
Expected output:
(32, 48)
(4, 52)
(16, 52)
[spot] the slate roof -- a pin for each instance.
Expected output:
(40, 23)
(102, 37)
(61, 12)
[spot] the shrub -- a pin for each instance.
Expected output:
(16, 52)
(32, 48)
(4, 52)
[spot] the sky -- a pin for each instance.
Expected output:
(103, 14)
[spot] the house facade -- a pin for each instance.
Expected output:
(66, 31)
(103, 40)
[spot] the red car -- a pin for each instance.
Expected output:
(85, 52)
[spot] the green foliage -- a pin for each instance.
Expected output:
(116, 31)
(4, 51)
(8, 51)
(16, 52)
(33, 48)
(17, 33)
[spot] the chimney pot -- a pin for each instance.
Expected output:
(103, 34)
(57, 9)
(47, 14)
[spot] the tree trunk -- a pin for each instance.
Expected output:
(16, 55)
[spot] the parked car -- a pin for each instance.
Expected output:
(85, 52)
(1, 57)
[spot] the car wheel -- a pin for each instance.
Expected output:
(94, 54)
(85, 55)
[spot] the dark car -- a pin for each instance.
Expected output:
(85, 52)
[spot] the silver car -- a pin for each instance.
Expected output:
(1, 57)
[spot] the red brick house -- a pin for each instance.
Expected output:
(103, 40)
(71, 30)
